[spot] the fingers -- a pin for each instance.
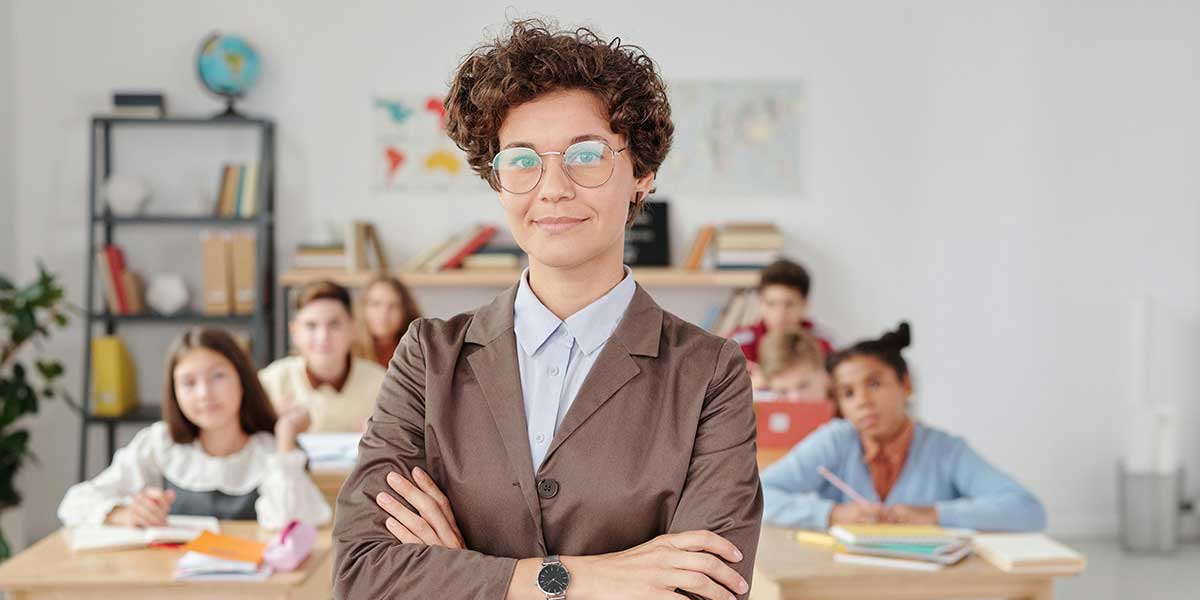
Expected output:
(712, 567)
(146, 513)
(697, 583)
(411, 521)
(427, 485)
(401, 532)
(704, 541)
(427, 507)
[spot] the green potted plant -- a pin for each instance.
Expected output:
(27, 316)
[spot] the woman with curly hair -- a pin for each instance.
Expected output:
(571, 438)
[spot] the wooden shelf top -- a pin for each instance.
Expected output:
(664, 277)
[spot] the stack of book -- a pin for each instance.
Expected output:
(237, 194)
(230, 272)
(748, 245)
(123, 291)
(362, 250)
(139, 105)
(467, 247)
(919, 547)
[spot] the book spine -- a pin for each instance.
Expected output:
(472, 245)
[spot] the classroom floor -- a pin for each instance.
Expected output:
(1114, 575)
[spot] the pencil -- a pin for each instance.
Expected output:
(842, 485)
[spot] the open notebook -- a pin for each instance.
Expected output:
(1028, 553)
(179, 529)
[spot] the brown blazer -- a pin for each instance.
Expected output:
(660, 439)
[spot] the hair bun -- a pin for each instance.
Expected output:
(899, 339)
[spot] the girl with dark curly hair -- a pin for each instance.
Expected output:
(571, 438)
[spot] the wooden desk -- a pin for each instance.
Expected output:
(789, 569)
(49, 570)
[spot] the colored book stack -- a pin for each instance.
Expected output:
(319, 256)
(238, 193)
(453, 252)
(114, 378)
(230, 272)
(918, 547)
(123, 291)
(748, 245)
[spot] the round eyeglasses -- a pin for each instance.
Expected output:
(589, 163)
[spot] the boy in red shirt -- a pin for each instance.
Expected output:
(783, 303)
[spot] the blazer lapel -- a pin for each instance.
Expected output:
(495, 368)
(637, 334)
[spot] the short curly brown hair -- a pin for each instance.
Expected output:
(535, 60)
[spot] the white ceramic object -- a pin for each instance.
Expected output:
(126, 195)
(167, 294)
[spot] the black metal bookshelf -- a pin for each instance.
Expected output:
(102, 226)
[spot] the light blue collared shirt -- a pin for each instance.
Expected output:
(554, 356)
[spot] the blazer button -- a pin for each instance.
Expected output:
(547, 488)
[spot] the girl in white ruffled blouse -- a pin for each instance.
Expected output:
(219, 451)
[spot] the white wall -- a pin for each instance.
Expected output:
(7, 147)
(1006, 175)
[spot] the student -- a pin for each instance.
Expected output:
(792, 367)
(911, 473)
(386, 309)
(783, 303)
(336, 389)
(213, 454)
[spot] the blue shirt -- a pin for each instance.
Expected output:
(554, 356)
(941, 470)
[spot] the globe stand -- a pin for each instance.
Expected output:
(230, 112)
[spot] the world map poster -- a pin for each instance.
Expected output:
(410, 149)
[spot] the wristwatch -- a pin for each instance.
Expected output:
(553, 578)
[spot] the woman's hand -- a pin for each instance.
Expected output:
(688, 561)
(910, 515)
(854, 512)
(433, 524)
(291, 423)
(148, 509)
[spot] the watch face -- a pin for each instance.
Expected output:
(553, 579)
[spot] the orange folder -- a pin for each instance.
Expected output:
(227, 547)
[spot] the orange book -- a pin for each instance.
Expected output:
(110, 287)
(116, 266)
(227, 547)
(700, 247)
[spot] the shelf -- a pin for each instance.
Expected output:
(194, 121)
(182, 220)
(144, 413)
(188, 317)
(650, 276)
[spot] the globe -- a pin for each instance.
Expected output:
(227, 66)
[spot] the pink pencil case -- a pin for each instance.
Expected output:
(293, 544)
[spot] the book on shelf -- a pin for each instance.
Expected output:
(700, 247)
(363, 244)
(114, 378)
(123, 290)
(243, 260)
(482, 234)
(747, 245)
(216, 256)
(740, 311)
(139, 105)
(318, 256)
(648, 240)
(237, 192)
(492, 261)
(452, 252)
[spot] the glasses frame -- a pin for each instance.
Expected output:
(495, 175)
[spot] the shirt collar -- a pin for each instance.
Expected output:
(315, 383)
(894, 451)
(533, 323)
